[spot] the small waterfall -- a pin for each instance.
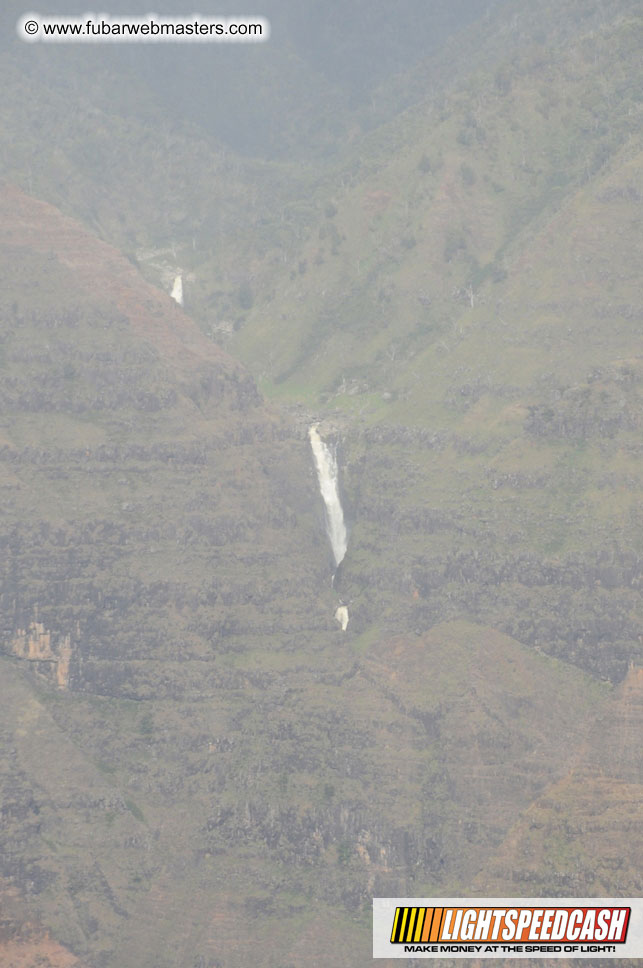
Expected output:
(326, 464)
(177, 290)
(341, 616)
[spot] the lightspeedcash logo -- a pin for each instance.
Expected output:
(507, 928)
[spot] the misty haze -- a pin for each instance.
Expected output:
(320, 474)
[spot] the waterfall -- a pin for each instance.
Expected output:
(341, 616)
(177, 290)
(326, 464)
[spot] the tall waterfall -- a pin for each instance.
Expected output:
(326, 464)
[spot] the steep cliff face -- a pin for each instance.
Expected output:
(222, 753)
(153, 506)
(161, 542)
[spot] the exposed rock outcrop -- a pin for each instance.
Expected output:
(51, 655)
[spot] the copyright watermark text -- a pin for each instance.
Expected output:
(103, 28)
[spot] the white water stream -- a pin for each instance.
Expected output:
(327, 475)
(341, 616)
(177, 290)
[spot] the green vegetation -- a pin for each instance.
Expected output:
(443, 269)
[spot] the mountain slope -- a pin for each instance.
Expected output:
(126, 404)
(200, 768)
(467, 315)
(570, 841)
(194, 746)
(440, 216)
